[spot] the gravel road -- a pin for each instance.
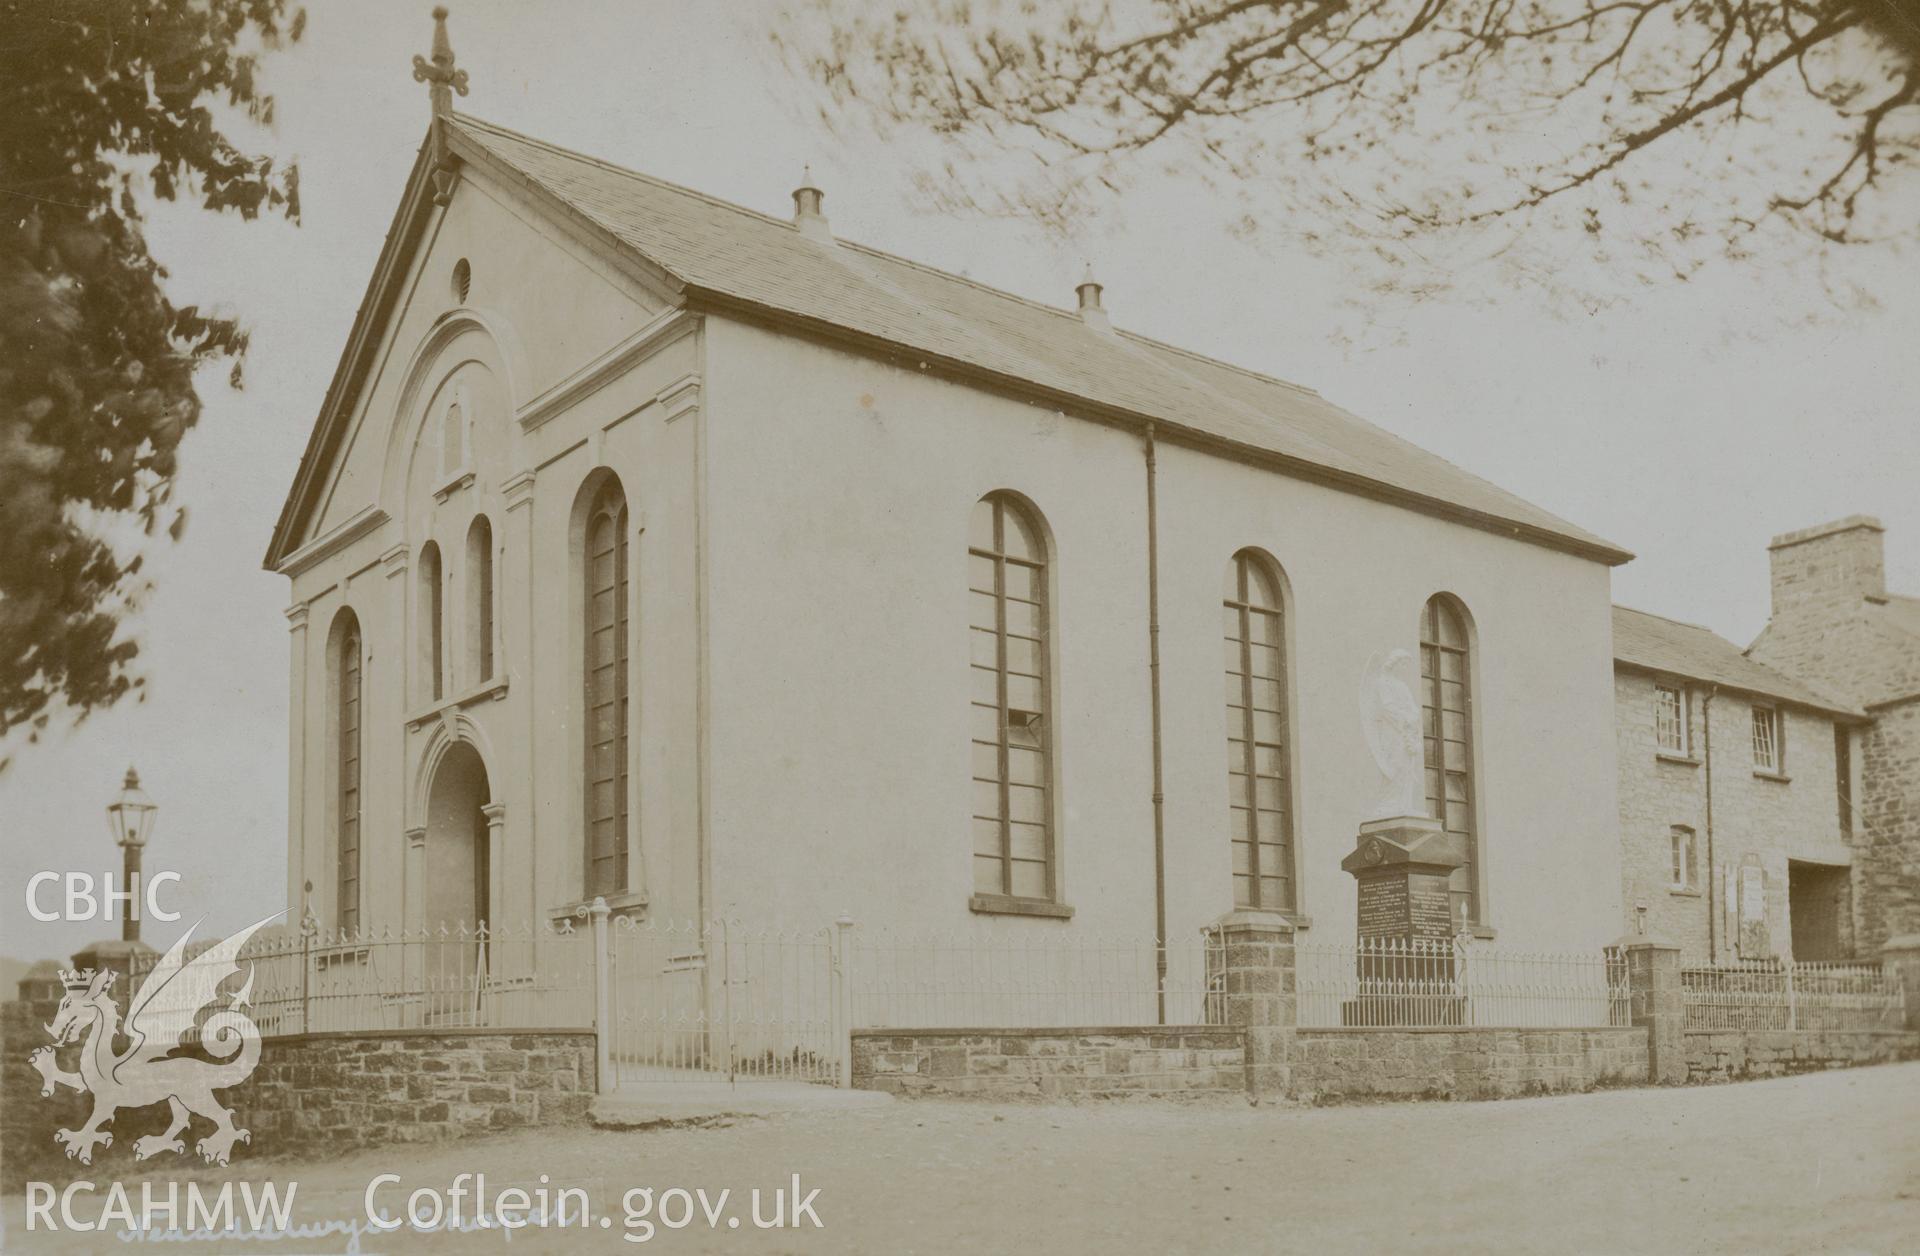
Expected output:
(1827, 1162)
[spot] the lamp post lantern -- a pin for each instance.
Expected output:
(131, 815)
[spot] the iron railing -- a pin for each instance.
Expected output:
(1416, 983)
(1775, 994)
(723, 1002)
(454, 976)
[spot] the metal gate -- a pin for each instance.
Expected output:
(723, 1002)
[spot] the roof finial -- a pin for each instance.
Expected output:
(443, 80)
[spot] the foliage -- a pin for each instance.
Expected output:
(1395, 120)
(107, 102)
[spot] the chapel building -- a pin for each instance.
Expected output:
(652, 548)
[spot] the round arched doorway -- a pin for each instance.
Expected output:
(457, 874)
(456, 854)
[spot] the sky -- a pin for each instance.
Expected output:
(1689, 423)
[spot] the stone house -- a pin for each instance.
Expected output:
(1835, 625)
(1737, 819)
(654, 548)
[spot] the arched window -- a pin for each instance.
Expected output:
(453, 434)
(346, 698)
(1446, 710)
(606, 691)
(432, 621)
(1013, 853)
(1258, 791)
(480, 597)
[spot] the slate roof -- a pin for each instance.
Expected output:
(731, 257)
(1657, 644)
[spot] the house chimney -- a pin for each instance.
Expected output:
(1092, 313)
(1830, 567)
(806, 209)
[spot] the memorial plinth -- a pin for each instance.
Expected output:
(1404, 866)
(1406, 962)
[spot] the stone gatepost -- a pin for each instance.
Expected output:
(124, 958)
(1657, 1004)
(1250, 964)
(1901, 956)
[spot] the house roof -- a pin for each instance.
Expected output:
(1903, 612)
(1655, 643)
(1892, 645)
(735, 260)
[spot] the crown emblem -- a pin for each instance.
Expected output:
(81, 979)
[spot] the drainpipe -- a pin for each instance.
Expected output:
(1713, 873)
(1159, 795)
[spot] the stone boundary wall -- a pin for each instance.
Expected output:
(1051, 1063)
(313, 1094)
(407, 1086)
(1334, 1064)
(27, 1120)
(1726, 1055)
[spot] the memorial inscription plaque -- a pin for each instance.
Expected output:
(1404, 920)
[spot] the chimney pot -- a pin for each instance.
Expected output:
(1092, 313)
(807, 217)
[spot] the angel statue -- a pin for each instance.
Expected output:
(1391, 720)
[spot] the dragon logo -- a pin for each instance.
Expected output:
(164, 1010)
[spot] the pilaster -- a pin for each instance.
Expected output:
(297, 873)
(516, 660)
(413, 892)
(498, 910)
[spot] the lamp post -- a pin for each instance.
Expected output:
(130, 815)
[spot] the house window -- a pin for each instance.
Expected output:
(1670, 718)
(1446, 711)
(347, 769)
(1012, 779)
(1766, 739)
(606, 692)
(480, 593)
(432, 620)
(1258, 797)
(1686, 872)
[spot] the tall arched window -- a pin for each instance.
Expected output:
(1257, 752)
(1446, 709)
(346, 697)
(432, 621)
(480, 597)
(1013, 853)
(606, 691)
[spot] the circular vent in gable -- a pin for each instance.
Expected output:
(462, 280)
